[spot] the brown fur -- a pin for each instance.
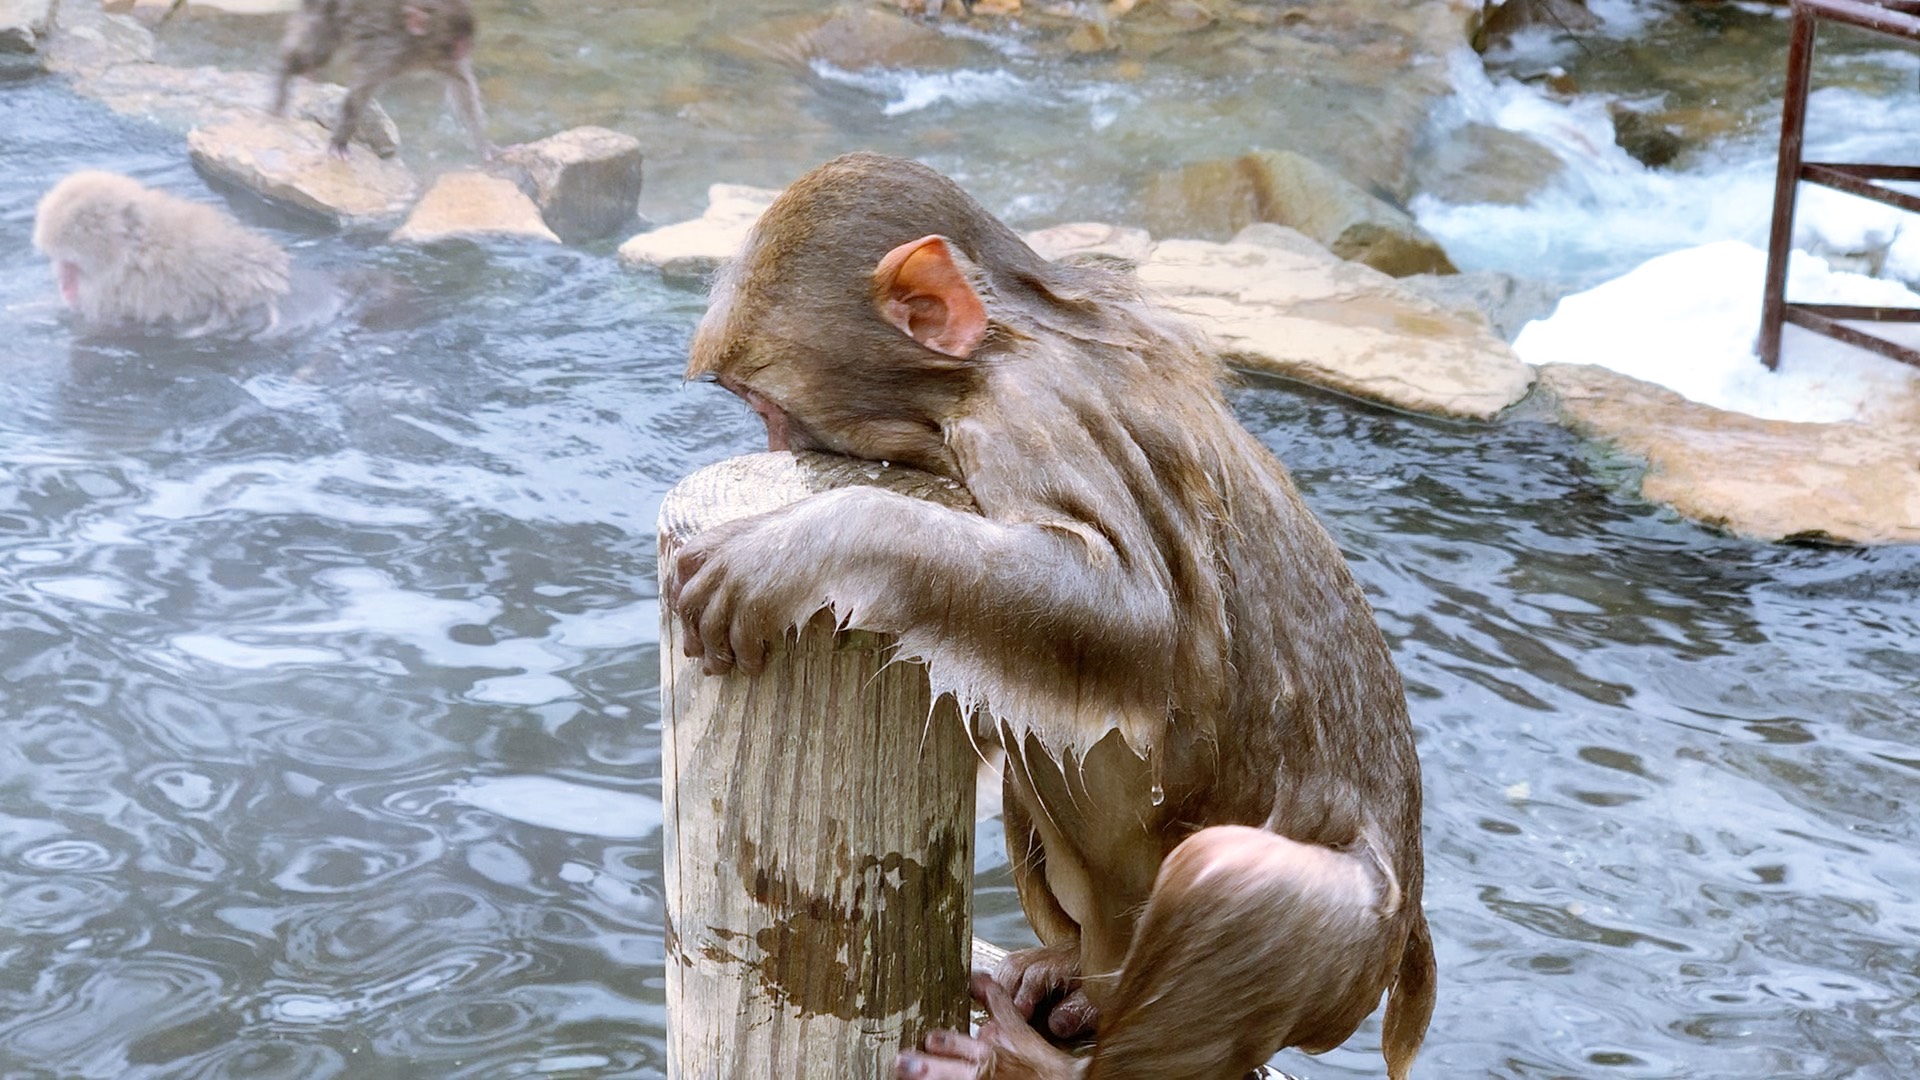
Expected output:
(1213, 800)
(384, 39)
(131, 256)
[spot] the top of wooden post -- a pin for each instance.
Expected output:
(758, 483)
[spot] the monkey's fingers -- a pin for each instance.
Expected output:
(749, 648)
(690, 602)
(999, 1003)
(1017, 1049)
(1034, 975)
(1073, 1016)
(708, 608)
(949, 1055)
(686, 566)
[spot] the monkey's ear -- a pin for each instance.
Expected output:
(921, 288)
(418, 21)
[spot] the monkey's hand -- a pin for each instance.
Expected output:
(740, 586)
(1005, 1049)
(1045, 984)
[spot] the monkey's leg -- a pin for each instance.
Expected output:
(350, 110)
(463, 92)
(1251, 942)
(313, 33)
(1044, 982)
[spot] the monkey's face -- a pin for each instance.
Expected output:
(85, 224)
(824, 369)
(783, 431)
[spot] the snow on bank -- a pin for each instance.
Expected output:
(1687, 321)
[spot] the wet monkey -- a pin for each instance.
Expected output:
(384, 39)
(1212, 794)
(128, 256)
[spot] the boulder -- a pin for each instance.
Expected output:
(204, 96)
(1505, 301)
(287, 162)
(1277, 302)
(1644, 137)
(1503, 20)
(698, 247)
(473, 206)
(586, 180)
(1217, 198)
(1850, 482)
(23, 25)
(83, 39)
(1480, 163)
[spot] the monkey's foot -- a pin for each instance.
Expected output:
(1045, 985)
(1007, 1048)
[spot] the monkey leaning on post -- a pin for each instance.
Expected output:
(384, 39)
(129, 257)
(1212, 794)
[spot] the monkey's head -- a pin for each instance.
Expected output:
(864, 310)
(86, 223)
(447, 26)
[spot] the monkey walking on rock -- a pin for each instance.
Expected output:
(384, 39)
(1212, 794)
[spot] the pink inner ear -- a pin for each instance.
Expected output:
(923, 293)
(416, 20)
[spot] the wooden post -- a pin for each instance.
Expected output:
(819, 826)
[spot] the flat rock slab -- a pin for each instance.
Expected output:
(83, 39)
(474, 206)
(1277, 302)
(287, 162)
(698, 247)
(185, 98)
(23, 25)
(1767, 479)
(1081, 240)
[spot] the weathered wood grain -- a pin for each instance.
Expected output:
(819, 826)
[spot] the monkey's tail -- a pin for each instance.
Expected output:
(1410, 1005)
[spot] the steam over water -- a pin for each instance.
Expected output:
(329, 727)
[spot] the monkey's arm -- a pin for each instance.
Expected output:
(894, 564)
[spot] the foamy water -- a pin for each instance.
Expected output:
(1672, 260)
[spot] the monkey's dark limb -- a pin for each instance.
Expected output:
(312, 36)
(350, 113)
(463, 93)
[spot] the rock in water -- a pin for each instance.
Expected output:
(586, 180)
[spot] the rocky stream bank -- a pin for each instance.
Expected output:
(1293, 271)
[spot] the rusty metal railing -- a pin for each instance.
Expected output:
(1900, 18)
